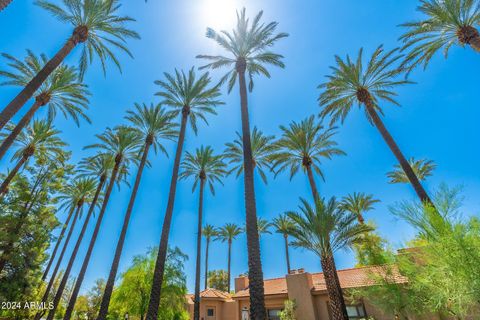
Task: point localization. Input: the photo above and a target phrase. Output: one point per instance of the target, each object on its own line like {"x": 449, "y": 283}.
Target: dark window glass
{"x": 210, "y": 312}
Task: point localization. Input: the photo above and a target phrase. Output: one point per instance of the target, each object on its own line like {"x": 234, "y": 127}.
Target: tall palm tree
{"x": 78, "y": 193}
{"x": 283, "y": 225}
{"x": 303, "y": 145}
{"x": 152, "y": 124}
{"x": 423, "y": 168}
{"x": 358, "y": 203}
{"x": 262, "y": 149}
{"x": 204, "y": 167}
{"x": 93, "y": 168}
{"x": 193, "y": 98}
{"x": 447, "y": 23}
{"x": 248, "y": 54}
{"x": 4, "y": 4}
{"x": 97, "y": 26}
{"x": 324, "y": 229}
{"x": 263, "y": 226}
{"x": 351, "y": 82}
{"x": 209, "y": 232}
{"x": 62, "y": 91}
{"x": 228, "y": 233}
{"x": 121, "y": 144}
{"x": 39, "y": 136}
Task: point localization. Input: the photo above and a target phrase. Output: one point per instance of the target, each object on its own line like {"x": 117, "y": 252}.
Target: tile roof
{"x": 211, "y": 293}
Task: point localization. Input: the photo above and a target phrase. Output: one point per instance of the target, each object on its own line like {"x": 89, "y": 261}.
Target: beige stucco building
{"x": 307, "y": 289}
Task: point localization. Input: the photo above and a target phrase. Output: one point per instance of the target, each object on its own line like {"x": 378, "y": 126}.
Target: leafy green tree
{"x": 446, "y": 23}
{"x": 262, "y": 149}
{"x": 324, "y": 229}
{"x": 283, "y": 225}
{"x": 358, "y": 203}
{"x": 228, "y": 233}
{"x": 152, "y": 125}
{"x": 304, "y": 145}
{"x": 288, "y": 313}
{"x": 352, "y": 83}
{"x": 39, "y": 137}
{"x": 192, "y": 98}
{"x": 204, "y": 167}
{"x": 209, "y": 232}
{"x": 423, "y": 168}
{"x": 61, "y": 92}
{"x": 121, "y": 144}
{"x": 248, "y": 47}
{"x": 97, "y": 27}
{"x": 218, "y": 279}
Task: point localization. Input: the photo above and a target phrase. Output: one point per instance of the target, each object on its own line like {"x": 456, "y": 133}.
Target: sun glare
{"x": 218, "y": 14}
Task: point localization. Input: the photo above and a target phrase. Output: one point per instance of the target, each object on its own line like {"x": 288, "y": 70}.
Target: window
{"x": 274, "y": 314}
{"x": 355, "y": 312}
{"x": 210, "y": 312}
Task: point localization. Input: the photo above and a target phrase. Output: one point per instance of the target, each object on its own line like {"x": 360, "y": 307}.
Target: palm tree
{"x": 121, "y": 144}
{"x": 324, "y": 229}
{"x": 263, "y": 226}
{"x": 93, "y": 168}
{"x": 351, "y": 82}
{"x": 358, "y": 204}
{"x": 248, "y": 48}
{"x": 262, "y": 149}
{"x": 228, "y": 233}
{"x": 96, "y": 26}
{"x": 447, "y": 23}
{"x": 208, "y": 232}
{"x": 193, "y": 98}
{"x": 303, "y": 145}
{"x": 423, "y": 168}
{"x": 40, "y": 136}
{"x": 152, "y": 124}
{"x": 62, "y": 91}
{"x": 4, "y": 4}
{"x": 204, "y": 167}
{"x": 283, "y": 225}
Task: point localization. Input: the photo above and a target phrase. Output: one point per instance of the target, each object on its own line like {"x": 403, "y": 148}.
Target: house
{"x": 307, "y": 289}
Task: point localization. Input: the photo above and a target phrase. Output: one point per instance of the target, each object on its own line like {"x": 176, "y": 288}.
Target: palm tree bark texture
{"x": 4, "y": 4}
{"x": 4, "y": 187}
{"x": 207, "y": 245}
{"x": 287, "y": 256}
{"x": 335, "y": 295}
{"x": 196, "y": 307}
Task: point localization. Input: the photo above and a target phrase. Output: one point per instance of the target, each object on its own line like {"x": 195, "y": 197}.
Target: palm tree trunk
{"x": 207, "y": 245}
{"x": 334, "y": 290}
{"x": 422, "y": 194}
{"x": 59, "y": 240}
{"x": 156, "y": 291}
{"x": 285, "y": 237}
{"x": 4, "y": 4}
{"x": 86, "y": 260}
{"x": 229, "y": 264}
{"x": 7, "y": 143}
{"x": 79, "y": 35}
{"x": 255, "y": 273}
{"x": 60, "y": 258}
{"x": 313, "y": 185}
{"x": 11, "y": 175}
{"x": 107, "y": 293}
{"x": 63, "y": 283}
{"x": 196, "y": 306}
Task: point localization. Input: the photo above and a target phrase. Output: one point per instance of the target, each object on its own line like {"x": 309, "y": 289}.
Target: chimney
{"x": 241, "y": 283}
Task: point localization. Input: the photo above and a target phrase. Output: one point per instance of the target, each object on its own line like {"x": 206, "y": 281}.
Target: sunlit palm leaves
{"x": 423, "y": 168}
{"x": 358, "y": 203}
{"x": 228, "y": 232}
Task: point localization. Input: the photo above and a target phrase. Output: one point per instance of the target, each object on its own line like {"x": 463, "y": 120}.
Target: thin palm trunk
{"x": 422, "y": 194}
{"x": 86, "y": 260}
{"x": 63, "y": 283}
{"x": 196, "y": 306}
{"x": 107, "y": 294}
{"x": 287, "y": 256}
{"x": 255, "y": 273}
{"x": 79, "y": 35}
{"x": 11, "y": 175}
{"x": 313, "y": 185}
{"x": 156, "y": 291}
{"x": 60, "y": 258}
{"x": 7, "y": 143}
{"x": 334, "y": 290}
{"x": 207, "y": 245}
{"x": 57, "y": 245}
{"x": 229, "y": 262}
{"x": 4, "y": 4}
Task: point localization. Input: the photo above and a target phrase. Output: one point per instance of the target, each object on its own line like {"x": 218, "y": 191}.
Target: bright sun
{"x": 218, "y": 14}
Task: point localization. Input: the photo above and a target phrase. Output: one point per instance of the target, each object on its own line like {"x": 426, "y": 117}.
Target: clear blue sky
{"x": 438, "y": 118}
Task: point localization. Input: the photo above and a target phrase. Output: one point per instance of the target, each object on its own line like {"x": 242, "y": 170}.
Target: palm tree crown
{"x": 228, "y": 232}
{"x": 263, "y": 226}
{"x": 203, "y": 165}
{"x": 304, "y": 144}
{"x": 447, "y": 23}
{"x": 209, "y": 232}
{"x": 423, "y": 168}
{"x": 248, "y": 46}
{"x": 97, "y": 25}
{"x": 358, "y": 203}
{"x": 185, "y": 93}
{"x": 62, "y": 91}
{"x": 262, "y": 150}
{"x": 283, "y": 224}
{"x": 77, "y": 193}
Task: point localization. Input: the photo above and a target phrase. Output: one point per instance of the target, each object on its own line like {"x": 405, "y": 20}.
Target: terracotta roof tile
{"x": 210, "y": 293}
